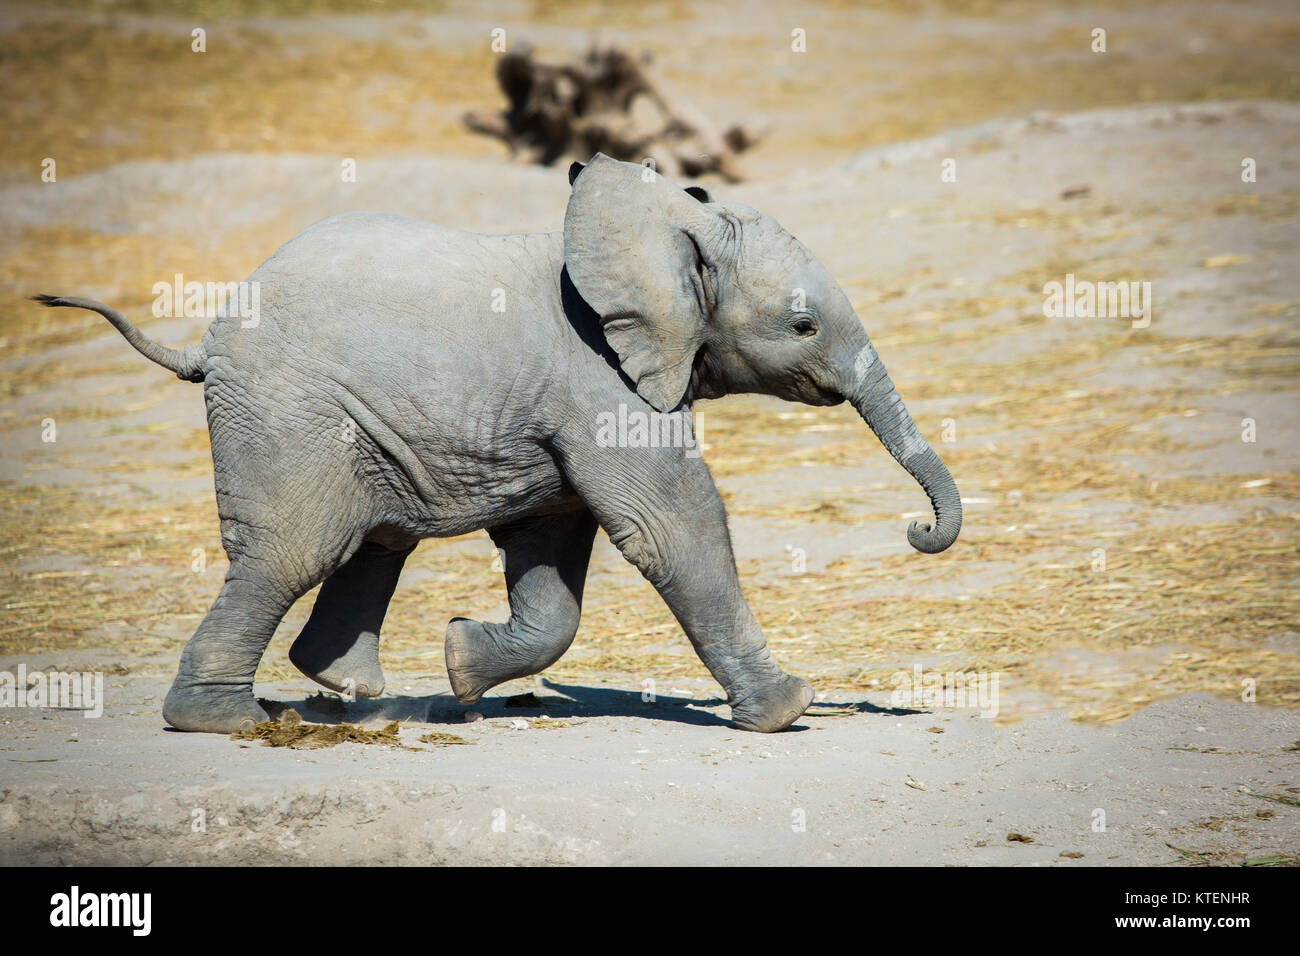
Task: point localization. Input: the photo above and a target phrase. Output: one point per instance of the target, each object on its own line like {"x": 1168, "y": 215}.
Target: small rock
{"x": 472, "y": 715}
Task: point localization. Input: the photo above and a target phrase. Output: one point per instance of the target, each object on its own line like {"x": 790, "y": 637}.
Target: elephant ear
{"x": 632, "y": 245}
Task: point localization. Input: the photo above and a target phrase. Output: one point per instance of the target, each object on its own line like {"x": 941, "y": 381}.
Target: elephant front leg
{"x": 663, "y": 512}
{"x": 339, "y": 647}
{"x": 545, "y": 562}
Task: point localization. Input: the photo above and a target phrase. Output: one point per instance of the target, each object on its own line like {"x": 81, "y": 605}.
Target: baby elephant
{"x": 405, "y": 381}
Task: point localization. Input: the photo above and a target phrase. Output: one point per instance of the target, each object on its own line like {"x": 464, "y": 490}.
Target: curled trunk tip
{"x": 933, "y": 476}
{"x": 930, "y": 540}
{"x": 881, "y": 408}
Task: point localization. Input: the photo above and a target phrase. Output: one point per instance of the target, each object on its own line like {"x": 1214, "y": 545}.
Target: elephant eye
{"x": 804, "y": 326}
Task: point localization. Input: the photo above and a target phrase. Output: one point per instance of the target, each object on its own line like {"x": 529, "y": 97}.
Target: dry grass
{"x": 96, "y": 93}
{"x": 1209, "y": 601}
{"x": 1206, "y": 598}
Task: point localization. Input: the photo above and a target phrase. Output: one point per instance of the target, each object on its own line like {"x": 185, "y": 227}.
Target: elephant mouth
{"x": 810, "y": 393}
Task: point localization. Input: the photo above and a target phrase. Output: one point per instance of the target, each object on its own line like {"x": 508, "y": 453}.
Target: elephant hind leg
{"x": 339, "y": 647}
{"x": 213, "y": 689}
{"x": 546, "y": 567}
{"x": 273, "y": 562}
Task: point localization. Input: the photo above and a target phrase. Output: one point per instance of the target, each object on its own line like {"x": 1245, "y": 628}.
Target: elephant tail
{"x": 187, "y": 363}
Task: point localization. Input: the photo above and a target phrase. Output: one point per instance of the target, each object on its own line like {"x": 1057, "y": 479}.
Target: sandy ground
{"x": 1185, "y": 781}
{"x": 1156, "y": 694}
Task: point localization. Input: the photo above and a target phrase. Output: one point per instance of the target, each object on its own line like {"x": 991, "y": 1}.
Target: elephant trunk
{"x": 873, "y": 395}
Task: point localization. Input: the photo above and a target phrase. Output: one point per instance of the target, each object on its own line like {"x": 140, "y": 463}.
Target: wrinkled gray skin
{"x": 469, "y": 418}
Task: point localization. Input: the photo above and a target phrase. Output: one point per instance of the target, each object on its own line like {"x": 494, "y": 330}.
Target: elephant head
{"x": 701, "y": 298}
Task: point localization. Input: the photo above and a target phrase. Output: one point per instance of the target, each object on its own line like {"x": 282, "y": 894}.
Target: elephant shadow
{"x": 570, "y": 701}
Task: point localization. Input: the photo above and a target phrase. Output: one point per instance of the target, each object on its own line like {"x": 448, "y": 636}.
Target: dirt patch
{"x": 290, "y": 730}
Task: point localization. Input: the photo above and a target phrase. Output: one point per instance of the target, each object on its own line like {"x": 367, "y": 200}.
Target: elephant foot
{"x": 348, "y": 663}
{"x": 773, "y": 706}
{"x": 476, "y": 662}
{"x": 212, "y": 708}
